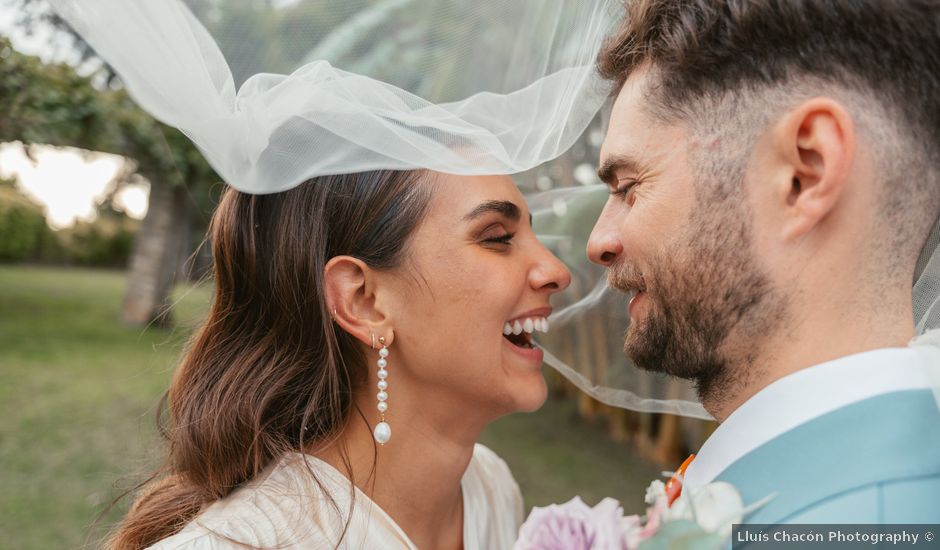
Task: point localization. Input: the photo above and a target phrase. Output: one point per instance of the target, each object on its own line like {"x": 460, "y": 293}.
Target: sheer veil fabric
{"x": 274, "y": 92}
{"x": 485, "y": 87}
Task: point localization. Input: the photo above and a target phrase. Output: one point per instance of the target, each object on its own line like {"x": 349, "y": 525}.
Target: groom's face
{"x": 674, "y": 238}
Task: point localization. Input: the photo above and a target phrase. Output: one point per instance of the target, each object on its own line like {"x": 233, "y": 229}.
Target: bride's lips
{"x": 535, "y": 354}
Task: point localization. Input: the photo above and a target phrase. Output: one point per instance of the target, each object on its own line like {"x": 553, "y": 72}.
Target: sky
{"x": 66, "y": 182}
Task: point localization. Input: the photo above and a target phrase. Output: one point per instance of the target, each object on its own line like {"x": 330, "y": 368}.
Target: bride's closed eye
{"x": 496, "y": 235}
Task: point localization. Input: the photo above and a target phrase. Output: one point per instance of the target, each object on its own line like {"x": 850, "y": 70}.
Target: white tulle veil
{"x": 275, "y": 92}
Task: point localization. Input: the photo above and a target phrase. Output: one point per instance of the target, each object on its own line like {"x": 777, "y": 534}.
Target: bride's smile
{"x": 518, "y": 333}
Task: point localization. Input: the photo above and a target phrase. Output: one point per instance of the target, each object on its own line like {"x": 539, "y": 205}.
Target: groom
{"x": 774, "y": 170}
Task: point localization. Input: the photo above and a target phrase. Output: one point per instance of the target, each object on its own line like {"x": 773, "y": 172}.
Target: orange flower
{"x": 674, "y": 486}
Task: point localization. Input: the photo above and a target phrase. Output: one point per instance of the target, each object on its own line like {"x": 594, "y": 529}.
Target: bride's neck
{"x": 415, "y": 477}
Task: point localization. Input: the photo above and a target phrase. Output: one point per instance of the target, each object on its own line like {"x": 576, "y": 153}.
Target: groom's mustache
{"x": 625, "y": 277}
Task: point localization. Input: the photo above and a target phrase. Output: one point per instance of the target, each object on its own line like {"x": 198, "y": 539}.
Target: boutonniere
{"x": 698, "y": 520}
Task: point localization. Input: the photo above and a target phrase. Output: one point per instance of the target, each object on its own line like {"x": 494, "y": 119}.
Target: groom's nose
{"x": 604, "y": 246}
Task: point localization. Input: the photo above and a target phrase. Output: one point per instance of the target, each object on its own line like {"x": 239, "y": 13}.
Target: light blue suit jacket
{"x": 875, "y": 461}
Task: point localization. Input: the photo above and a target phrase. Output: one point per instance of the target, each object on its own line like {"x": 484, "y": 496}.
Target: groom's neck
{"x": 824, "y": 325}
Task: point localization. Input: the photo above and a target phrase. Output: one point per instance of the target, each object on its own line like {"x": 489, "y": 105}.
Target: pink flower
{"x": 574, "y": 526}
{"x": 654, "y": 517}
{"x": 632, "y": 529}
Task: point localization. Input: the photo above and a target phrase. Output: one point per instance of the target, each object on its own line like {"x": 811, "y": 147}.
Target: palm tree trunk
{"x": 156, "y": 257}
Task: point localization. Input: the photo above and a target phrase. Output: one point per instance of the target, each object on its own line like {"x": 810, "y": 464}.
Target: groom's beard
{"x": 700, "y": 298}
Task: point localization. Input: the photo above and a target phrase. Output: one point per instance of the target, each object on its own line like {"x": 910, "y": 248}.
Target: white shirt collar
{"x": 803, "y": 396}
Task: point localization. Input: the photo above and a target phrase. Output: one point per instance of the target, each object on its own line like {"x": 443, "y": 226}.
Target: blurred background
{"x": 103, "y": 276}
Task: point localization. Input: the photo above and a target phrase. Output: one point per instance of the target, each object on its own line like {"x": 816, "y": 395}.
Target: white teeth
{"x": 528, "y": 326}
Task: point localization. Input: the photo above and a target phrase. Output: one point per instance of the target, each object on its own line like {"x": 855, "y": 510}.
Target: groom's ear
{"x": 814, "y": 145}
{"x": 351, "y": 286}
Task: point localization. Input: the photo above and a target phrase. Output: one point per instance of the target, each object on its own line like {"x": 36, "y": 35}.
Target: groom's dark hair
{"x": 717, "y": 63}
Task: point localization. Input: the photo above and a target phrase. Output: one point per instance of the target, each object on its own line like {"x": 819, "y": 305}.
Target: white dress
{"x": 285, "y": 508}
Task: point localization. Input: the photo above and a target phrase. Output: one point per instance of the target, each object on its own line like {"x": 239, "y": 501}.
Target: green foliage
{"x": 105, "y": 242}
{"x": 22, "y": 225}
{"x": 24, "y": 235}
{"x": 54, "y": 105}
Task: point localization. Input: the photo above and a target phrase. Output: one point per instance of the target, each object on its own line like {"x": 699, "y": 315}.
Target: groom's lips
{"x": 634, "y": 286}
{"x": 635, "y": 301}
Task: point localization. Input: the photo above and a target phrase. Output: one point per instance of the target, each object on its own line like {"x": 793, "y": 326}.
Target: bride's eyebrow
{"x": 506, "y": 209}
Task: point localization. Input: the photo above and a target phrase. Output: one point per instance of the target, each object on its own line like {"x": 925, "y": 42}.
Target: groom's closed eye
{"x": 615, "y": 165}
{"x": 625, "y": 189}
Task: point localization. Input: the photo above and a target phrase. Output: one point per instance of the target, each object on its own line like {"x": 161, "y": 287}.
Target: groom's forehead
{"x": 632, "y": 108}
{"x": 631, "y": 103}
{"x": 633, "y": 134}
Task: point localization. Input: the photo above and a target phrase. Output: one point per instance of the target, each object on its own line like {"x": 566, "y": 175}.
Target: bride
{"x": 376, "y": 286}
{"x": 355, "y": 349}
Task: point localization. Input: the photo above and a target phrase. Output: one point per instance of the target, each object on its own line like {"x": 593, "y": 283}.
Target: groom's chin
{"x": 636, "y": 347}
{"x": 651, "y": 355}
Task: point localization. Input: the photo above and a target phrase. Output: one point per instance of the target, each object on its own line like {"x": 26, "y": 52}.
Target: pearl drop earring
{"x": 383, "y": 432}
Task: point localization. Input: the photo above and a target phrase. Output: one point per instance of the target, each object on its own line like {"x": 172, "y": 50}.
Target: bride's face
{"x": 473, "y": 266}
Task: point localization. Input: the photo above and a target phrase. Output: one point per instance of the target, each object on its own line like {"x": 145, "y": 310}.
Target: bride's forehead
{"x": 461, "y": 190}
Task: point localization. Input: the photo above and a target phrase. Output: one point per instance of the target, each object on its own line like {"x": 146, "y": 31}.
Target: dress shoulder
{"x": 492, "y": 499}
{"x": 282, "y": 508}
{"x": 234, "y": 533}
{"x": 196, "y": 541}
{"x": 490, "y": 465}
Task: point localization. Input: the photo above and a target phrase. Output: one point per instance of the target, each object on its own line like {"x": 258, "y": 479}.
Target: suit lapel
{"x": 891, "y": 436}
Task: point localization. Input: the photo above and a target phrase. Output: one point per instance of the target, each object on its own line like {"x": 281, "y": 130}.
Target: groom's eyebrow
{"x": 607, "y": 173}
{"x": 506, "y": 209}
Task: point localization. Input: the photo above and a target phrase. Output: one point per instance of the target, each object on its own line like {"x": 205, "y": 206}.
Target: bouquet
{"x": 699, "y": 520}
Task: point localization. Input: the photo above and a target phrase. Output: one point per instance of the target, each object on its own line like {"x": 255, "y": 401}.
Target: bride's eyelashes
{"x": 502, "y": 239}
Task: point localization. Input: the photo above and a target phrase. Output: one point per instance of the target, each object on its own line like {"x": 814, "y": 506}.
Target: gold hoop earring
{"x": 372, "y": 334}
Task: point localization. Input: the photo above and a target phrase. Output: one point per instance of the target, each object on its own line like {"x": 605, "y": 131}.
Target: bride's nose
{"x": 549, "y": 273}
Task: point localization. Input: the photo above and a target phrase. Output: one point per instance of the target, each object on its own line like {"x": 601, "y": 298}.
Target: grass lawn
{"x": 78, "y": 394}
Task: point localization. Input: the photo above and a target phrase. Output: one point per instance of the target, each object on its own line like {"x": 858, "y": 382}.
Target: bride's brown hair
{"x": 267, "y": 373}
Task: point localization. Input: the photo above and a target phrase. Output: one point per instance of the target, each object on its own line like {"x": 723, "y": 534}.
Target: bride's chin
{"x": 532, "y": 397}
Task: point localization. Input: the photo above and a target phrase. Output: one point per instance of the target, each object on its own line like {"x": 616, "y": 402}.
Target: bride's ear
{"x": 350, "y": 287}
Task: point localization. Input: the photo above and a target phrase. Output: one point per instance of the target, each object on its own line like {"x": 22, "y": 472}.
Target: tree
{"x": 52, "y": 104}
